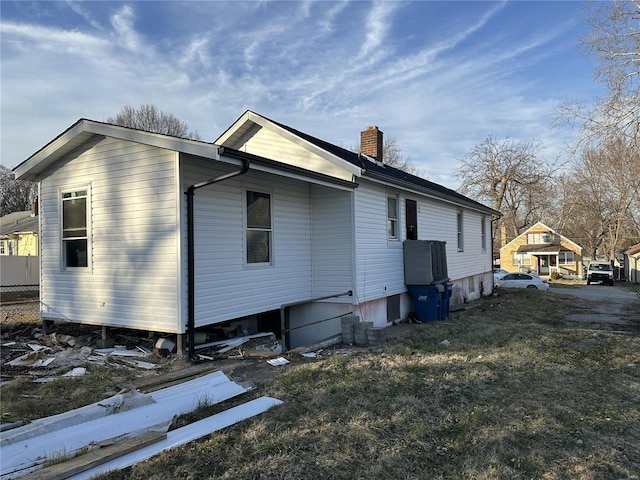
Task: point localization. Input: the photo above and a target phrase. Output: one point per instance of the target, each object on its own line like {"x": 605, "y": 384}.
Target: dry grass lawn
{"x": 518, "y": 394}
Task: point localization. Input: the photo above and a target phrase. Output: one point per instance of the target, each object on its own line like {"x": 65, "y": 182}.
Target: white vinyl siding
{"x": 331, "y": 241}
{"x": 379, "y": 262}
{"x": 266, "y": 143}
{"x": 227, "y": 288}
{"x": 438, "y": 221}
{"x": 133, "y": 280}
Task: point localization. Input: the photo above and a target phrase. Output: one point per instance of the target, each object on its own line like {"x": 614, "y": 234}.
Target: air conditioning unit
{"x": 425, "y": 262}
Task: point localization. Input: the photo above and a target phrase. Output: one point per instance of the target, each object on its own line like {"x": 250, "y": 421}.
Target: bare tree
{"x": 603, "y": 202}
{"x": 150, "y": 119}
{"x": 393, "y": 156}
{"x": 574, "y": 216}
{"x": 511, "y": 177}
{"x": 15, "y": 195}
{"x": 615, "y": 41}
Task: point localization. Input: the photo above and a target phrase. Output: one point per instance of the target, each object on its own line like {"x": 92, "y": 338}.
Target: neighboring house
{"x": 542, "y": 250}
{"x": 19, "y": 234}
{"x": 632, "y": 263}
{"x": 268, "y": 228}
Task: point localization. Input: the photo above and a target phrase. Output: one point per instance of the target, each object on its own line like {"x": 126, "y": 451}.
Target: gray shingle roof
{"x": 18, "y": 222}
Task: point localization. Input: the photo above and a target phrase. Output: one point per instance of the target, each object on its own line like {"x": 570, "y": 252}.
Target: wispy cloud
{"x": 124, "y": 31}
{"x": 80, "y": 9}
{"x": 23, "y": 37}
{"x": 437, "y": 76}
{"x": 376, "y": 27}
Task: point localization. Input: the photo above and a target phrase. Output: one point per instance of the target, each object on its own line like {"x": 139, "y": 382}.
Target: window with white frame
{"x": 75, "y": 237}
{"x": 520, "y": 259}
{"x": 2, "y": 247}
{"x": 392, "y": 217}
{"x": 483, "y": 233}
{"x": 565, "y": 258}
{"x": 538, "y": 238}
{"x": 258, "y": 227}
{"x": 460, "y": 225}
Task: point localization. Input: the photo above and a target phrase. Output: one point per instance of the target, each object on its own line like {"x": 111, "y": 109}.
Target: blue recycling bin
{"x": 426, "y": 301}
{"x": 445, "y": 301}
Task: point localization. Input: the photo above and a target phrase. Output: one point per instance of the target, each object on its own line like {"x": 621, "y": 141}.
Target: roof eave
{"x": 83, "y": 130}
{"x": 407, "y": 185}
{"x": 273, "y": 166}
{"x": 257, "y": 119}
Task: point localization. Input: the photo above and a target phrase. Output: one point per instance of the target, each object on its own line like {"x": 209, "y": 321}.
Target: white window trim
{"x": 63, "y": 266}
{"x": 265, "y": 191}
{"x": 521, "y": 260}
{"x": 563, "y": 255}
{"x": 395, "y": 237}
{"x": 539, "y": 238}
{"x": 460, "y": 230}
{"x": 483, "y": 233}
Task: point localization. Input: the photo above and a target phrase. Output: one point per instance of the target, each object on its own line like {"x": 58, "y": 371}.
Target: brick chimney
{"x": 371, "y": 143}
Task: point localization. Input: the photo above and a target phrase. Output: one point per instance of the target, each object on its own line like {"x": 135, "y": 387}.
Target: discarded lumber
{"x": 186, "y": 434}
{"x": 95, "y": 458}
{"x": 150, "y": 384}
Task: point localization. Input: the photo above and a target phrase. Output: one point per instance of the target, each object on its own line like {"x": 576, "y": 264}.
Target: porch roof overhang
{"x": 541, "y": 249}
{"x": 633, "y": 250}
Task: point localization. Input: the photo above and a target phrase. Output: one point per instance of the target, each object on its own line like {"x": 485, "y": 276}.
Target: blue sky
{"x": 438, "y": 76}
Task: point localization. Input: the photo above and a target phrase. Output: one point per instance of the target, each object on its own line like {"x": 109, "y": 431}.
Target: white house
{"x": 632, "y": 263}
{"x": 268, "y": 228}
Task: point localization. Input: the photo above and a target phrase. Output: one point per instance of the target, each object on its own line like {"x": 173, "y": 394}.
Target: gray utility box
{"x": 425, "y": 262}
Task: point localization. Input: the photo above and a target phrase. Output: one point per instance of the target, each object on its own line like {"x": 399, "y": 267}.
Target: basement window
{"x": 259, "y": 231}
{"x": 75, "y": 245}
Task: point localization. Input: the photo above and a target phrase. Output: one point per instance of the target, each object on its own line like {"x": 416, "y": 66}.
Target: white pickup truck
{"x": 600, "y": 272}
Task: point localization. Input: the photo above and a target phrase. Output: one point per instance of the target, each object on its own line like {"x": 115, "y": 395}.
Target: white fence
{"x": 19, "y": 270}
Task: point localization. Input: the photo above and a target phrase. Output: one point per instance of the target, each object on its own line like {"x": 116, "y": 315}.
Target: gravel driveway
{"x": 619, "y": 305}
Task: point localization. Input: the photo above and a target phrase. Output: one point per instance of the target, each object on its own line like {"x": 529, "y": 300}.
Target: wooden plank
{"x": 157, "y": 382}
{"x": 186, "y": 434}
{"x": 94, "y": 458}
